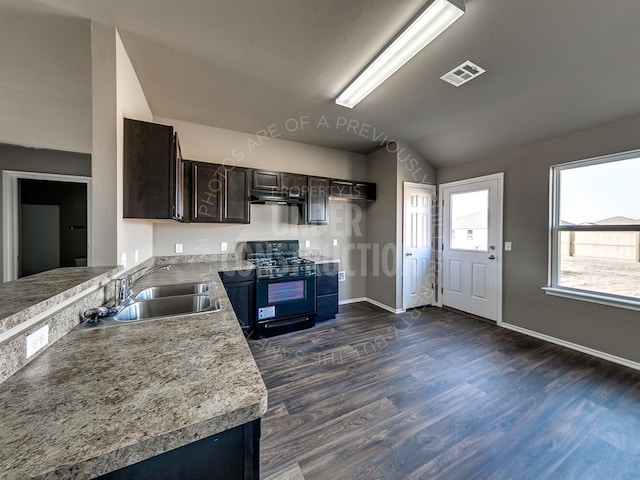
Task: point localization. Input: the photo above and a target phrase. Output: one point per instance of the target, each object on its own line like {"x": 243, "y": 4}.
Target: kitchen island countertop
{"x": 103, "y": 398}
{"x": 29, "y": 296}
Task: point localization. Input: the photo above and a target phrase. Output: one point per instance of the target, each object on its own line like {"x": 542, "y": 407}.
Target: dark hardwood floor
{"x": 433, "y": 394}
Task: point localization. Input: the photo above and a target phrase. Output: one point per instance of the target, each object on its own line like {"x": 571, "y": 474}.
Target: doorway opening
{"x": 45, "y": 222}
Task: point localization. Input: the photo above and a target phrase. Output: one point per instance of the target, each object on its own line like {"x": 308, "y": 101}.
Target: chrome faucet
{"x": 124, "y": 286}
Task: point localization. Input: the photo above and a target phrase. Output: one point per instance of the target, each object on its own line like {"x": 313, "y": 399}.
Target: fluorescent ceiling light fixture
{"x": 434, "y": 20}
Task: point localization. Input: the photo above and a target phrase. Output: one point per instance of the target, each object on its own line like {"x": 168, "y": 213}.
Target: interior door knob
{"x": 492, "y": 257}
{"x": 409, "y": 254}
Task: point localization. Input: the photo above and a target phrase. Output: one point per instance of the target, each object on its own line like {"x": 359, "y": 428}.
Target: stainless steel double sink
{"x": 161, "y": 301}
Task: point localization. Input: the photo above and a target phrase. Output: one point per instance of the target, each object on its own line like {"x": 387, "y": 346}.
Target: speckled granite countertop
{"x": 28, "y": 296}
{"x": 104, "y": 398}
{"x": 320, "y": 259}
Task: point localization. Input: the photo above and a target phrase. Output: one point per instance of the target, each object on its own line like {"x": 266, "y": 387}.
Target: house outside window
{"x": 595, "y": 230}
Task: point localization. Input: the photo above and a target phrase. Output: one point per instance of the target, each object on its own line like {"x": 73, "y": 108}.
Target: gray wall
{"x": 381, "y": 228}
{"x": 45, "y": 85}
{"x": 347, "y": 224}
{"x": 389, "y": 167}
{"x": 23, "y": 159}
{"x": 526, "y": 218}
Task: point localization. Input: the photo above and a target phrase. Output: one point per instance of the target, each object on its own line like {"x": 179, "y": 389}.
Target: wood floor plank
{"x": 433, "y": 394}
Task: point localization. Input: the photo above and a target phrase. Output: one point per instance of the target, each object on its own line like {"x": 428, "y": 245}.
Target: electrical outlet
{"x": 223, "y": 246}
{"x": 307, "y": 243}
{"x": 341, "y": 276}
{"x": 179, "y": 248}
{"x": 335, "y": 242}
{"x": 37, "y": 340}
{"x": 507, "y": 246}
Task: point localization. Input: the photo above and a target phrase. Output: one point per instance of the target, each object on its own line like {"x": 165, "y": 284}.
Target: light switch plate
{"x": 136, "y": 256}
{"x": 341, "y": 276}
{"x": 335, "y": 242}
{"x": 307, "y": 243}
{"x": 179, "y": 248}
{"x": 37, "y": 340}
{"x": 123, "y": 259}
{"x": 223, "y": 246}
{"x": 507, "y": 246}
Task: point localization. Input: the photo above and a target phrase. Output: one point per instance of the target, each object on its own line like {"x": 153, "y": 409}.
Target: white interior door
{"x": 471, "y": 246}
{"x": 418, "y": 278}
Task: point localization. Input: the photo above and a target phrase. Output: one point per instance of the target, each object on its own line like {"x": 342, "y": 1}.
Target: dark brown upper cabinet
{"x": 218, "y": 194}
{"x": 205, "y": 192}
{"x": 292, "y": 184}
{"x": 317, "y": 201}
{"x": 350, "y": 190}
{"x": 263, "y": 180}
{"x": 235, "y": 201}
{"x": 153, "y": 171}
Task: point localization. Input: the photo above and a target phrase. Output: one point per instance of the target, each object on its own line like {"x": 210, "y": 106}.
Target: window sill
{"x": 593, "y": 298}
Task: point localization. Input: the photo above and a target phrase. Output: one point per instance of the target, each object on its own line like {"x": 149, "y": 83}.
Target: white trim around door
{"x": 10, "y": 205}
{"x": 494, "y": 250}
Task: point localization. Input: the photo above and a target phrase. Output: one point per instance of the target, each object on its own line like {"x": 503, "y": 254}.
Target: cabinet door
{"x": 341, "y": 188}
{"x": 206, "y": 192}
{"x": 177, "y": 173}
{"x": 317, "y": 201}
{"x": 263, "y": 180}
{"x": 361, "y": 190}
{"x": 148, "y": 170}
{"x": 326, "y": 278}
{"x": 326, "y": 307}
{"x": 242, "y": 298}
{"x": 235, "y": 201}
{"x": 293, "y": 184}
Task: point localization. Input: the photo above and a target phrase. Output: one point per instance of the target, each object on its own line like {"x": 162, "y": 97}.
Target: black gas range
{"x": 285, "y": 287}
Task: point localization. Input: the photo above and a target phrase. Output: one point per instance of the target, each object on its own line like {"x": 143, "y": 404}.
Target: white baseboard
{"x": 395, "y": 311}
{"x": 352, "y": 300}
{"x": 531, "y": 333}
{"x": 372, "y": 302}
{"x": 573, "y": 346}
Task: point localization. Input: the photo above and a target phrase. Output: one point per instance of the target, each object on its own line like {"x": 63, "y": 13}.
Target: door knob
{"x": 492, "y": 257}
{"x": 408, "y": 254}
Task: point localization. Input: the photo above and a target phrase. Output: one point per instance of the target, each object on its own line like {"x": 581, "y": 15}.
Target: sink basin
{"x": 161, "y": 291}
{"x": 167, "y": 306}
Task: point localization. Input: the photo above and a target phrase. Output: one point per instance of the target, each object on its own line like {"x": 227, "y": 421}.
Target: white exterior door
{"x": 418, "y": 278}
{"x": 471, "y": 273}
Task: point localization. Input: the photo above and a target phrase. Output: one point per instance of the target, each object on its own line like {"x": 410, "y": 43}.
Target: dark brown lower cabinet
{"x": 326, "y": 291}
{"x": 230, "y": 455}
{"x": 240, "y": 286}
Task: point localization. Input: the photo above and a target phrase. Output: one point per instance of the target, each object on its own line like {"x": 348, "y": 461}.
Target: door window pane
{"x": 470, "y": 221}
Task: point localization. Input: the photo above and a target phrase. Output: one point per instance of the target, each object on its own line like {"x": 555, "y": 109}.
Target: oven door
{"x": 285, "y": 297}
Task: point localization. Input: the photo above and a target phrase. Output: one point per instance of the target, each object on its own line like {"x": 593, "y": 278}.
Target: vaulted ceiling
{"x": 553, "y": 67}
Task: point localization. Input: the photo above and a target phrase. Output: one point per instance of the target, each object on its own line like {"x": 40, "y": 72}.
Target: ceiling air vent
{"x": 463, "y": 73}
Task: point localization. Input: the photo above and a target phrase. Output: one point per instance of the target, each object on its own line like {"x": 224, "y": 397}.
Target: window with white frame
{"x": 595, "y": 229}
